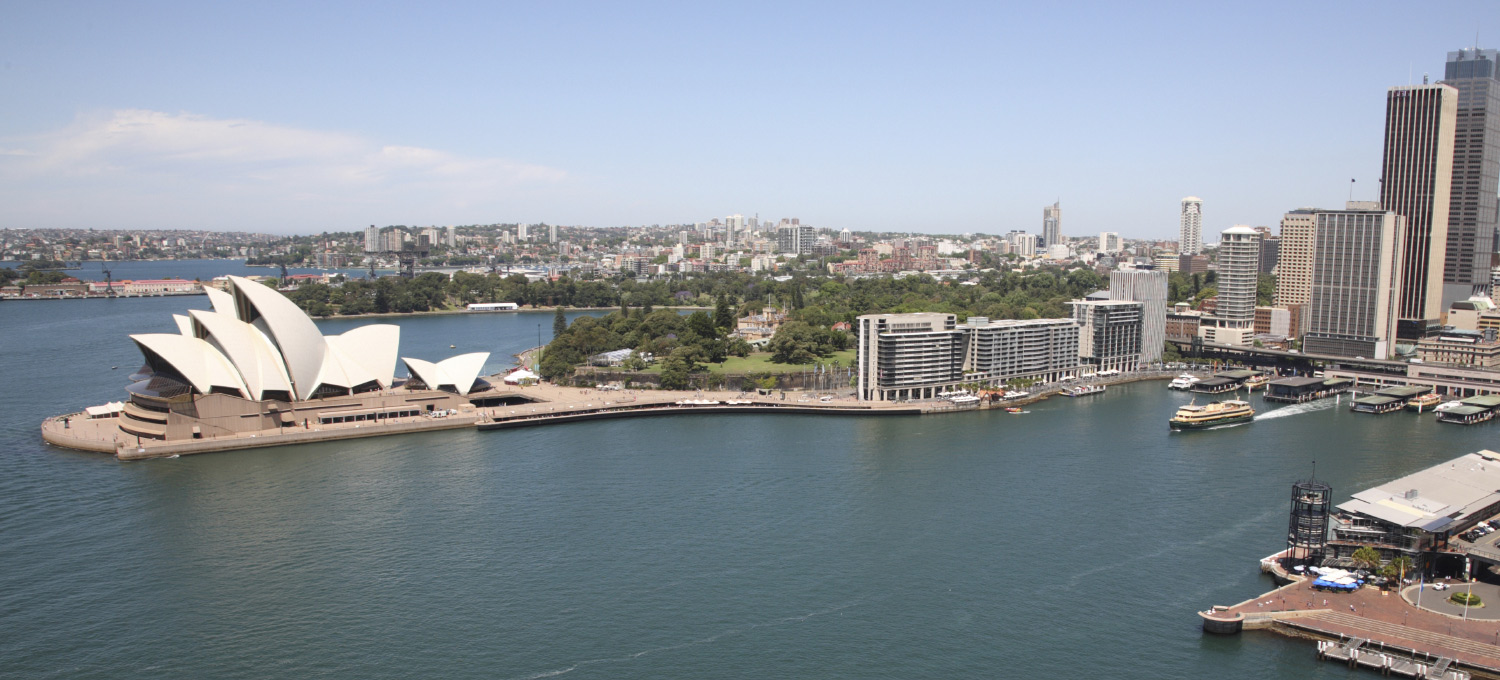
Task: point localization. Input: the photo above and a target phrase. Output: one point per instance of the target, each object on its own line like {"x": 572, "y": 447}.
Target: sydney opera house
{"x": 257, "y": 363}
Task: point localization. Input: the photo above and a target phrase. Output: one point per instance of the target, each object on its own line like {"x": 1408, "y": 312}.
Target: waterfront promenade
{"x": 1385, "y": 618}
{"x": 534, "y": 405}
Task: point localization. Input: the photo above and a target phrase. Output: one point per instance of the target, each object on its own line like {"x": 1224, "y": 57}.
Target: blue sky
{"x": 928, "y": 117}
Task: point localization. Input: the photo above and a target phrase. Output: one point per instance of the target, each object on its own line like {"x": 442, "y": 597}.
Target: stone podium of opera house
{"x": 256, "y": 371}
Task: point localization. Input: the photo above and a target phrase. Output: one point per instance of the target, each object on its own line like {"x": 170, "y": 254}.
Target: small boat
{"x": 1193, "y": 416}
{"x": 1256, "y": 382}
{"x": 1426, "y": 402}
{"x": 1446, "y": 405}
{"x": 1182, "y": 382}
{"x": 1014, "y": 409}
{"x": 452, "y": 346}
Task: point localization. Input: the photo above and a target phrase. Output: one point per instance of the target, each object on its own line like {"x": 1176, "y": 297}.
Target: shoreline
{"x": 540, "y": 405}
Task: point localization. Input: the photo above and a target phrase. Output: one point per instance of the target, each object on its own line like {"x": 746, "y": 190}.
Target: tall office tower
{"x": 1294, "y": 262}
{"x": 1233, "y": 322}
{"x": 1190, "y": 241}
{"x": 1416, "y": 178}
{"x": 1356, "y": 280}
{"x": 1473, "y": 208}
{"x": 1052, "y": 224}
{"x": 372, "y": 239}
{"x": 451, "y": 237}
{"x": 1150, "y": 289}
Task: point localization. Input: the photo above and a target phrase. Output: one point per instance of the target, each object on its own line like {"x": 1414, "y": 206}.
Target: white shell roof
{"x": 249, "y": 349}
{"x": 373, "y": 347}
{"x": 193, "y": 358}
{"x": 223, "y": 302}
{"x": 256, "y": 341}
{"x": 458, "y": 372}
{"x": 298, "y": 338}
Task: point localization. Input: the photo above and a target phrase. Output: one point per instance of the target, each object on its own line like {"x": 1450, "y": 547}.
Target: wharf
{"x": 1395, "y": 637}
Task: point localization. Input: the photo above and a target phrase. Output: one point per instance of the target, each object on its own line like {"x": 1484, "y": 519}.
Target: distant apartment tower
{"x": 1190, "y": 240}
{"x": 450, "y": 238}
{"x": 552, "y": 233}
{"x": 1416, "y": 181}
{"x": 1109, "y": 242}
{"x": 1149, "y": 288}
{"x": 372, "y": 239}
{"x": 1356, "y": 279}
{"x": 1233, "y": 320}
{"x": 1473, "y": 210}
{"x": 1052, "y": 225}
{"x": 1109, "y": 335}
{"x": 1022, "y": 243}
{"x": 796, "y": 239}
{"x": 522, "y": 231}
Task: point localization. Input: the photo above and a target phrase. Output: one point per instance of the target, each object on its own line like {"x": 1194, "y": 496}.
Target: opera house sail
{"x": 255, "y": 365}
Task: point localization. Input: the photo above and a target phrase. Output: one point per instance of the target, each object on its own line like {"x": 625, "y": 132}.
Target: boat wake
{"x": 1298, "y": 409}
{"x": 692, "y": 643}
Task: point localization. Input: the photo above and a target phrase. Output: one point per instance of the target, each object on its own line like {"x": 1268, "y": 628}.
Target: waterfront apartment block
{"x": 1355, "y": 276}
{"x": 1150, "y": 289}
{"x": 921, "y": 355}
{"x": 1110, "y": 334}
{"x": 1006, "y": 349}
{"x": 1416, "y": 183}
{"x": 1473, "y": 212}
{"x": 908, "y": 356}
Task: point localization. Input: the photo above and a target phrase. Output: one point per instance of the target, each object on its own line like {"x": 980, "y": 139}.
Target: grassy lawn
{"x": 760, "y": 362}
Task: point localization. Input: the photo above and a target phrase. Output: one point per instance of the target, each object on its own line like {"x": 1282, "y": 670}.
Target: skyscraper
{"x": 1356, "y": 279}
{"x": 1233, "y": 322}
{"x": 1052, "y": 224}
{"x": 372, "y": 239}
{"x": 1472, "y": 210}
{"x": 1294, "y": 266}
{"x": 1150, "y": 289}
{"x": 1191, "y": 238}
{"x": 1109, "y": 242}
{"x": 1416, "y": 178}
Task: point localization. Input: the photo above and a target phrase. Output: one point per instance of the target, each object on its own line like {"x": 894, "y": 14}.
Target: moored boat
{"x": 1081, "y": 390}
{"x": 1193, "y": 416}
{"x": 1182, "y": 382}
{"x": 1256, "y": 382}
{"x": 1424, "y": 403}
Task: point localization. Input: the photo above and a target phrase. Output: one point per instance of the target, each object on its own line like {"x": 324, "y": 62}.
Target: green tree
{"x": 1366, "y": 558}
{"x": 559, "y": 323}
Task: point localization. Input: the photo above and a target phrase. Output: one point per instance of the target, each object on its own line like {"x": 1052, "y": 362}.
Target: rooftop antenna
{"x": 1351, "y": 189}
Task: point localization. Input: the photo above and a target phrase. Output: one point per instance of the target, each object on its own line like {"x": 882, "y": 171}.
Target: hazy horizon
{"x": 945, "y": 118}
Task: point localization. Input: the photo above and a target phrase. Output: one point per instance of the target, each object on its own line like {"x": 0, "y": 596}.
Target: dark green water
{"x": 1076, "y": 540}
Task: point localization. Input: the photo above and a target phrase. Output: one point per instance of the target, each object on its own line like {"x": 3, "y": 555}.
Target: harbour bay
{"x": 1078, "y": 538}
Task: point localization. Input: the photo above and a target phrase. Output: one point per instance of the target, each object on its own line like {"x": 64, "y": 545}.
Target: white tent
{"x": 520, "y": 375}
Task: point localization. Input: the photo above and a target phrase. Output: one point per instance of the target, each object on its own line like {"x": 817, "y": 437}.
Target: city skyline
{"x": 889, "y": 120}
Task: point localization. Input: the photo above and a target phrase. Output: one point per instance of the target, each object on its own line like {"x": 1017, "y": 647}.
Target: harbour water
{"x": 1075, "y": 540}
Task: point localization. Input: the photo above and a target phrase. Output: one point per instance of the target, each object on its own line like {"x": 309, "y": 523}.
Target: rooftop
{"x": 1435, "y": 497}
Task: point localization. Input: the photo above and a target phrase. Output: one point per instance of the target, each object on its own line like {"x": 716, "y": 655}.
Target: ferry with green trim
{"x": 1194, "y": 417}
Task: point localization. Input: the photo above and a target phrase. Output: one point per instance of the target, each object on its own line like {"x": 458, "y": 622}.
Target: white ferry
{"x": 1182, "y": 382}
